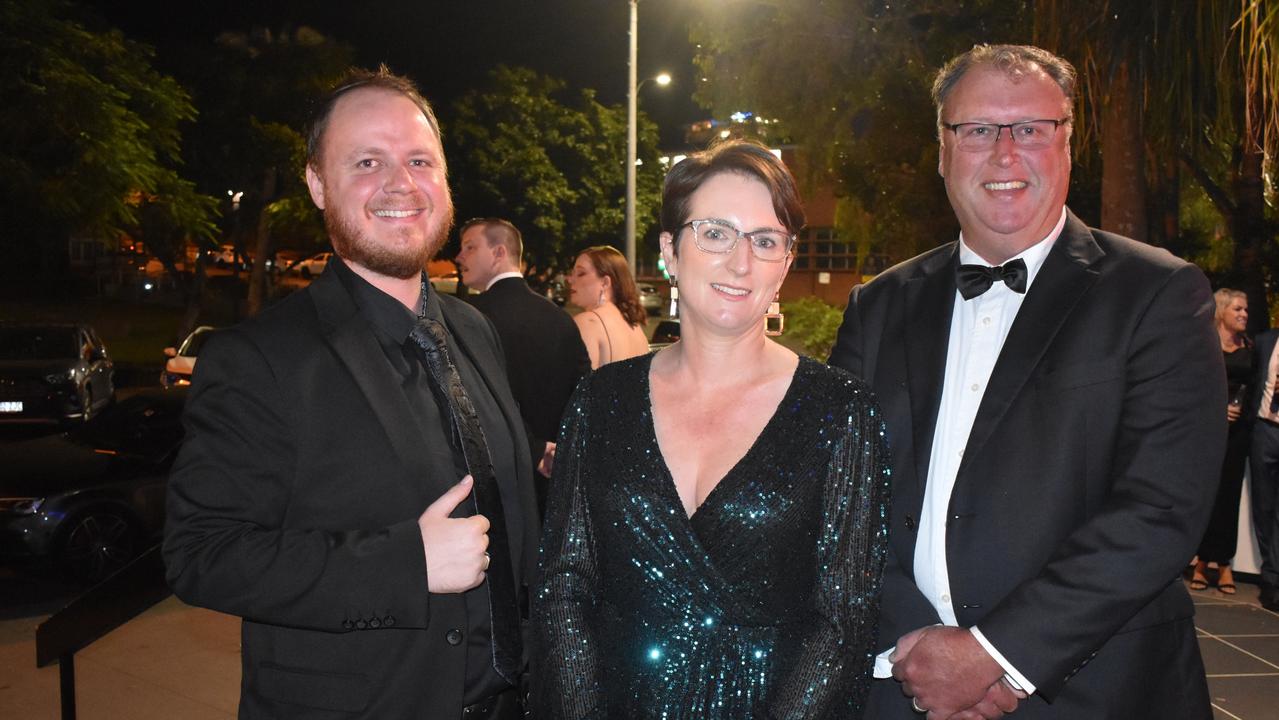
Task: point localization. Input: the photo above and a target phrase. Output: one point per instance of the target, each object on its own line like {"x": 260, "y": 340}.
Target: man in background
{"x": 545, "y": 356}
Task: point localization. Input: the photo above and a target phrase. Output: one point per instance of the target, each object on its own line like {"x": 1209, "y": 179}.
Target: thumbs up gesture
{"x": 455, "y": 547}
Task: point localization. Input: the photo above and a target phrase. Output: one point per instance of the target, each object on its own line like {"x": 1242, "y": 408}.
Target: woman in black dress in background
{"x": 716, "y": 530}
{"x": 1218, "y": 545}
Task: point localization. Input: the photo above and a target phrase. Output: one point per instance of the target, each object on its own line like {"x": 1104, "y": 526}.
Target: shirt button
{"x": 945, "y": 598}
{"x": 453, "y": 637}
{"x": 974, "y": 387}
{"x": 985, "y": 321}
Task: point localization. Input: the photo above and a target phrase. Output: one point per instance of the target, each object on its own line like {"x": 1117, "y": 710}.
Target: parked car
{"x": 53, "y": 373}
{"x": 313, "y": 265}
{"x": 650, "y": 298}
{"x": 88, "y": 501}
{"x": 665, "y": 332}
{"x": 180, "y": 361}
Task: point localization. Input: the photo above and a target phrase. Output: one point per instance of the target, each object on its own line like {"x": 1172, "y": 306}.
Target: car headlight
{"x": 60, "y": 376}
{"x": 21, "y": 505}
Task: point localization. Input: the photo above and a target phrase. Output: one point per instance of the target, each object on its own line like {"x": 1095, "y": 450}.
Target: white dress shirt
{"x": 502, "y": 276}
{"x": 978, "y": 328}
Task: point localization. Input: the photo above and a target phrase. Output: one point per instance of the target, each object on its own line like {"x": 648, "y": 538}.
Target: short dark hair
{"x": 1015, "y": 61}
{"x": 498, "y": 232}
{"x": 743, "y": 157}
{"x": 358, "y": 79}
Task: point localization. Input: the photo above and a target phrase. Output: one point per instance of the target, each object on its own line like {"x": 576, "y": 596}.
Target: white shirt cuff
{"x": 884, "y": 666}
{"x": 1014, "y": 678}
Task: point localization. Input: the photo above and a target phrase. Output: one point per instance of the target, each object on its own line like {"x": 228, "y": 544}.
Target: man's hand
{"x": 946, "y": 671}
{"x": 455, "y": 557}
{"x": 547, "y": 463}
{"x": 1233, "y": 411}
{"x": 1000, "y": 698}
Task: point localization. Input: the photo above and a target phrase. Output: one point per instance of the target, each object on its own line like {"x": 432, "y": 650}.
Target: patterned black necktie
{"x": 469, "y": 434}
{"x": 973, "y": 280}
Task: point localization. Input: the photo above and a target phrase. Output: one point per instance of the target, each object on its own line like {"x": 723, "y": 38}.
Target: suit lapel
{"x": 348, "y": 333}
{"x": 1065, "y": 277}
{"x": 930, "y": 300}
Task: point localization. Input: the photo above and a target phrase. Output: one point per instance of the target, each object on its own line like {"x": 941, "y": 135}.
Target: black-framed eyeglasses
{"x": 720, "y": 237}
{"x": 1029, "y": 134}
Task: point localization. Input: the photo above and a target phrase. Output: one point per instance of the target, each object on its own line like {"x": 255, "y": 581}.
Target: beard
{"x": 353, "y": 245}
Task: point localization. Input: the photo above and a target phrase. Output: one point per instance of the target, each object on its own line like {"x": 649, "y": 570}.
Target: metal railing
{"x": 127, "y": 593}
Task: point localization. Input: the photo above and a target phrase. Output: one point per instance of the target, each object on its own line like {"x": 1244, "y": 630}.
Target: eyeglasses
{"x": 1030, "y": 134}
{"x": 720, "y": 237}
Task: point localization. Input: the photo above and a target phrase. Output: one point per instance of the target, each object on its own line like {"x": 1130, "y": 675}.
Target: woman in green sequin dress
{"x": 716, "y": 530}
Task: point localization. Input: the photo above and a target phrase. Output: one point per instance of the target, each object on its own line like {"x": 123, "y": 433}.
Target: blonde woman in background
{"x": 1217, "y": 549}
{"x": 612, "y": 320}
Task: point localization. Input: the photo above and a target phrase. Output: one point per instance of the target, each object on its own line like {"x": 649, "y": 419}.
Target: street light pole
{"x": 631, "y": 97}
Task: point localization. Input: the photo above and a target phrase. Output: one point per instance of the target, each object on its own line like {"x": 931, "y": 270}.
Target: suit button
{"x": 375, "y": 623}
{"x": 453, "y": 637}
{"x": 389, "y": 620}
{"x": 348, "y": 625}
{"x": 360, "y": 624}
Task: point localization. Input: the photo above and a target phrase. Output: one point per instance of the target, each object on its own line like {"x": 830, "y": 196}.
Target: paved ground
{"x": 175, "y": 661}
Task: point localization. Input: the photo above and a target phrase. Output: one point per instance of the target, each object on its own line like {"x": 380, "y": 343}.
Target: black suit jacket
{"x": 545, "y": 356}
{"x": 1087, "y": 479}
{"x": 294, "y": 504}
{"x": 1264, "y": 346}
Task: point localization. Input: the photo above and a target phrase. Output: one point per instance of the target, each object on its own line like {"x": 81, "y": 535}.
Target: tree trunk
{"x": 1123, "y": 173}
{"x": 1248, "y": 225}
{"x": 264, "y": 247}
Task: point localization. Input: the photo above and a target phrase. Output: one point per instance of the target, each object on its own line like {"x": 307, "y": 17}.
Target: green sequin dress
{"x": 762, "y": 604}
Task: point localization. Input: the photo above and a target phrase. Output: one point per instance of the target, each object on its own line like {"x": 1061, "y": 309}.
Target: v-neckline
{"x": 669, "y": 477}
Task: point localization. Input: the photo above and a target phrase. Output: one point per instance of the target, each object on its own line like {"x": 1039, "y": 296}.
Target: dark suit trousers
{"x": 1221, "y": 537}
{"x": 1264, "y": 493}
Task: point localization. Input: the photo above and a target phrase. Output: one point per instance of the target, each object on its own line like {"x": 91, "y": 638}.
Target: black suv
{"x": 53, "y": 373}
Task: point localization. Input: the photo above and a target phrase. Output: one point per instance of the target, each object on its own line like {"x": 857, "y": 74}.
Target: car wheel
{"x": 97, "y": 543}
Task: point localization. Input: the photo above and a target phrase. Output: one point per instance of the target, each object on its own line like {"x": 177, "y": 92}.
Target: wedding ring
{"x": 915, "y": 704}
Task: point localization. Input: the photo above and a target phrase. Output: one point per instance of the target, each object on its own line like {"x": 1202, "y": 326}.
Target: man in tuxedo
{"x": 545, "y": 356}
{"x": 1263, "y": 485}
{"x": 354, "y": 483}
{"x": 1052, "y": 395}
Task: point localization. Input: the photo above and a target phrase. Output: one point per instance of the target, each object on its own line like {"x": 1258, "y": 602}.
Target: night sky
{"x": 449, "y": 45}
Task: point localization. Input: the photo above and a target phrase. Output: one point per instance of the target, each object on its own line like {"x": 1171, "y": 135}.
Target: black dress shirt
{"x": 391, "y": 323}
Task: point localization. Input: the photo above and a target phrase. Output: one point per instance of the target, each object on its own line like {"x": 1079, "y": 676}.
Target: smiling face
{"x": 1235, "y": 315}
{"x": 382, "y": 184}
{"x": 1006, "y": 198}
{"x": 728, "y": 293}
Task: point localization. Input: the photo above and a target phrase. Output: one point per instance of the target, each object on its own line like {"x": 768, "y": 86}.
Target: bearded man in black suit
{"x": 317, "y": 493}
{"x": 1053, "y": 396}
{"x": 545, "y": 356}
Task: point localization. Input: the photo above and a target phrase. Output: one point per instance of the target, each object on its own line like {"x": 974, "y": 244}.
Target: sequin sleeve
{"x": 565, "y": 660}
{"x": 828, "y": 675}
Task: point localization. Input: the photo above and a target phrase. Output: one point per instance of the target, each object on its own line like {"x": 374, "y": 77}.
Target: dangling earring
{"x": 774, "y": 320}
{"x": 674, "y": 311}
{"x": 600, "y": 301}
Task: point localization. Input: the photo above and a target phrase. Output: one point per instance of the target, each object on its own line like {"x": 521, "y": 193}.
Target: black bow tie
{"x": 973, "y": 280}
